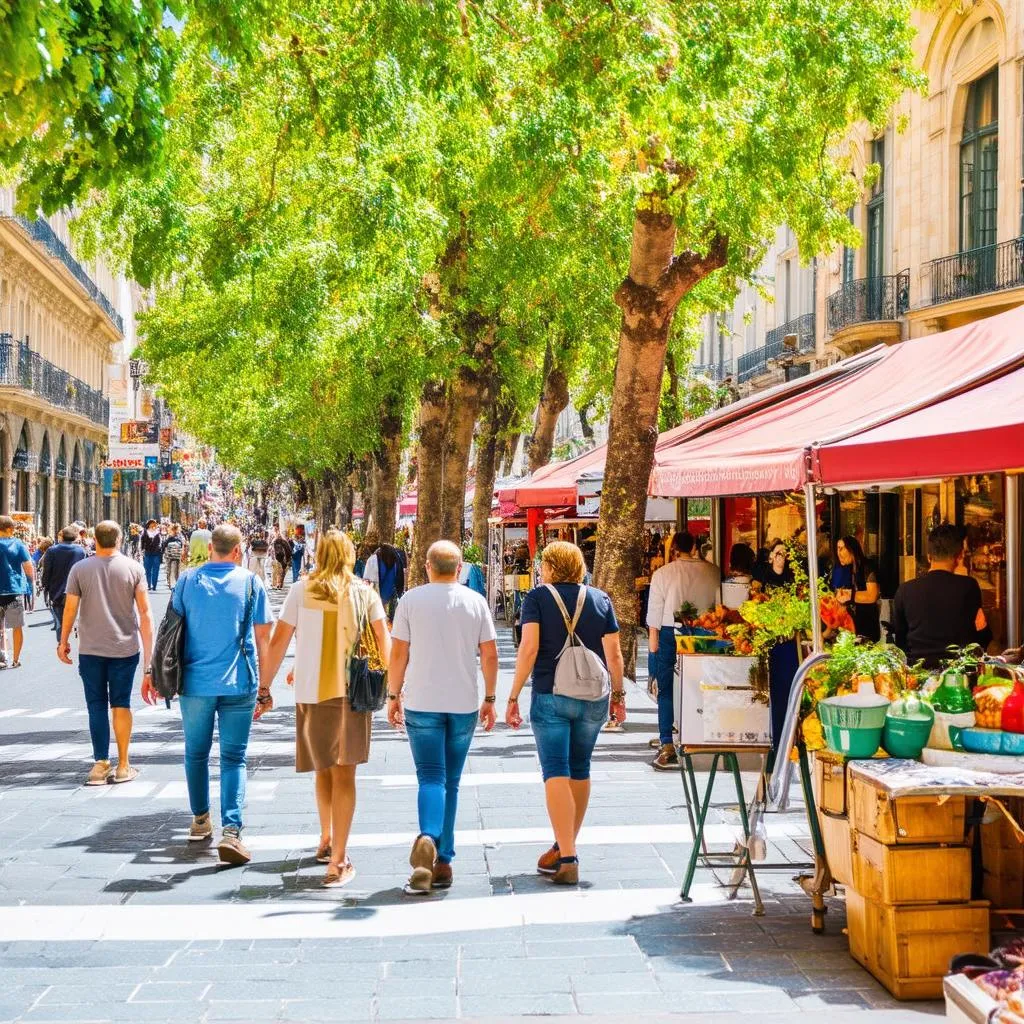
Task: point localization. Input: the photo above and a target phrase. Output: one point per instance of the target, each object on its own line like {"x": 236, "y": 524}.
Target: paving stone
{"x": 415, "y": 1008}
{"x": 517, "y": 1006}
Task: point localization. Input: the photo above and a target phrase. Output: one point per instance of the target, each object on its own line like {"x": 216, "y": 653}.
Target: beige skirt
{"x": 330, "y": 733}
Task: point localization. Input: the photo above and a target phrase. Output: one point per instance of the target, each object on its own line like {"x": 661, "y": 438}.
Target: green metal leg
{"x": 812, "y": 816}
{"x": 745, "y": 864}
{"x": 698, "y": 840}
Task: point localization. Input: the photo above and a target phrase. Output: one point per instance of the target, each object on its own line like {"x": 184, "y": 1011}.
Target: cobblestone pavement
{"x": 107, "y": 914}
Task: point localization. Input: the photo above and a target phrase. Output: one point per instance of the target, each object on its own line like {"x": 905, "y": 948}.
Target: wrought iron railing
{"x": 989, "y": 268}
{"x": 20, "y": 367}
{"x": 41, "y": 232}
{"x": 802, "y": 327}
{"x": 752, "y": 364}
{"x": 869, "y": 300}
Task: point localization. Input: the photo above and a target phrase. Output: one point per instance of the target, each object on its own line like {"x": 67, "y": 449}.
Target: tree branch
{"x": 687, "y": 268}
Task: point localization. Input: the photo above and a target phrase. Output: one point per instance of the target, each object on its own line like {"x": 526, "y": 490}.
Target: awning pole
{"x": 1013, "y": 561}
{"x": 811, "y": 510}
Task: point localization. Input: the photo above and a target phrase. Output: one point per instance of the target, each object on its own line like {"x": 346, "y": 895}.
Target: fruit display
{"x": 989, "y": 697}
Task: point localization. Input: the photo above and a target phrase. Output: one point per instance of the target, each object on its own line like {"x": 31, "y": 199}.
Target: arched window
{"x": 979, "y": 164}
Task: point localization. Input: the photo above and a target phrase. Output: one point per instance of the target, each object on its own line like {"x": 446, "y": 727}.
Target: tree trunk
{"x": 465, "y": 398}
{"x": 648, "y": 299}
{"x": 554, "y": 399}
{"x": 429, "y": 469}
{"x": 508, "y": 453}
{"x": 386, "y": 466}
{"x": 671, "y": 411}
{"x": 585, "y": 425}
{"x": 486, "y": 467}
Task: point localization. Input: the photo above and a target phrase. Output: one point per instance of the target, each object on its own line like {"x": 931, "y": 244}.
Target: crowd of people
{"x": 435, "y": 645}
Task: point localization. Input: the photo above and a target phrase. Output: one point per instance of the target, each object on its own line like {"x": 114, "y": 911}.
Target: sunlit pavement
{"x": 107, "y": 914}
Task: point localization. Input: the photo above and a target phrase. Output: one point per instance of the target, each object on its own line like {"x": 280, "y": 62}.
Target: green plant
{"x": 471, "y": 553}
{"x": 964, "y": 659}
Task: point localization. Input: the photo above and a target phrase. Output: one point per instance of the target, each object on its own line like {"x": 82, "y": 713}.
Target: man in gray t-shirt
{"x": 107, "y": 594}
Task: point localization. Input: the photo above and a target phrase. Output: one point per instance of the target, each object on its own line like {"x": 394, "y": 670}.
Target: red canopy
{"x": 553, "y": 484}
{"x": 979, "y": 431}
{"x": 768, "y": 450}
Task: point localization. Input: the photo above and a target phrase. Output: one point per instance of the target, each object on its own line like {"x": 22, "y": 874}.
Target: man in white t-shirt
{"x": 433, "y": 689}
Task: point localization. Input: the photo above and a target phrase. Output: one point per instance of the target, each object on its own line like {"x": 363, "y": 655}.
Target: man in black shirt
{"x": 56, "y": 565}
{"x": 940, "y": 609}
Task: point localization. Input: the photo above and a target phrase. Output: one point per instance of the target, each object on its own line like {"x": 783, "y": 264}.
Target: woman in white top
{"x": 324, "y": 611}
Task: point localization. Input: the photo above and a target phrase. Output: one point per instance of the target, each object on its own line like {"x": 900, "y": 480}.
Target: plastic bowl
{"x": 852, "y": 730}
{"x": 1013, "y": 743}
{"x": 906, "y": 737}
{"x": 982, "y": 741}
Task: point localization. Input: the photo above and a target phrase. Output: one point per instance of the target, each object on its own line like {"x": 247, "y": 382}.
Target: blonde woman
{"x": 324, "y": 611}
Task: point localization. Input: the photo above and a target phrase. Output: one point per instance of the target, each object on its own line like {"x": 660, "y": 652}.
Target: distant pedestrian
{"x": 325, "y": 611}
{"x": 227, "y": 620}
{"x": 258, "y": 548}
{"x": 433, "y": 689}
{"x": 173, "y": 549}
{"x": 199, "y": 544}
{"x": 56, "y": 566}
{"x": 282, "y": 554}
{"x": 134, "y": 538}
{"x": 298, "y": 553}
{"x": 152, "y": 546}
{"x": 107, "y": 596}
{"x": 566, "y": 727}
{"x": 17, "y": 583}
{"x": 385, "y": 569}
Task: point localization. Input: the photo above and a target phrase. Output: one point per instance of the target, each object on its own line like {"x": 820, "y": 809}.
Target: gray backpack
{"x": 579, "y": 672}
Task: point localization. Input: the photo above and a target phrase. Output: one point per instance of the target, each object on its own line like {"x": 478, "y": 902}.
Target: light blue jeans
{"x": 234, "y": 721}
{"x": 440, "y": 743}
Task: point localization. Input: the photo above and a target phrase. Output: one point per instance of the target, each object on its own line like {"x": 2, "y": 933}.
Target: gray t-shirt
{"x": 107, "y": 623}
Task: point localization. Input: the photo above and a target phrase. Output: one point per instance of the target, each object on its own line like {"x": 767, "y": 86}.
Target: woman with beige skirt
{"x": 324, "y": 612}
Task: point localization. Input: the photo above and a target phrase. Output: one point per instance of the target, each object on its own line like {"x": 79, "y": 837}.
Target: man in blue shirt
{"x": 17, "y": 572}
{"x": 56, "y": 566}
{"x": 227, "y": 622}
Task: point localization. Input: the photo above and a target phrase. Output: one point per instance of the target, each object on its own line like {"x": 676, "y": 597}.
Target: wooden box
{"x": 830, "y": 781}
{"x": 910, "y": 874}
{"x": 1002, "y": 861}
{"x": 906, "y": 819}
{"x": 908, "y": 949}
{"x": 835, "y": 834}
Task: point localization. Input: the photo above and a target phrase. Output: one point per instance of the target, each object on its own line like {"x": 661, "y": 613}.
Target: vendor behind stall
{"x": 942, "y": 608}
{"x": 856, "y": 586}
{"x": 736, "y": 586}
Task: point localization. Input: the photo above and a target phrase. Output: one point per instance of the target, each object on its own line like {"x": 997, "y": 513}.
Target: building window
{"x": 849, "y": 254}
{"x": 876, "y": 214}
{"x": 979, "y": 163}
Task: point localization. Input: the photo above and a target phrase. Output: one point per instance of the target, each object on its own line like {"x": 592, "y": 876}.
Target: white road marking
{"x": 336, "y": 920}
{"x": 11, "y": 712}
{"x": 52, "y": 713}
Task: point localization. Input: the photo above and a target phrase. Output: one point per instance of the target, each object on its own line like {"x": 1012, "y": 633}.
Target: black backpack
{"x": 169, "y": 655}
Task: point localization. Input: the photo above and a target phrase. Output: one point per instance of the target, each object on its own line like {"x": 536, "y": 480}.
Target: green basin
{"x": 850, "y": 730}
{"x": 906, "y": 737}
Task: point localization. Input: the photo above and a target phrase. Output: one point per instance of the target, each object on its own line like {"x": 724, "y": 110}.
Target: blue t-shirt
{"x": 212, "y": 599}
{"x": 596, "y": 622}
{"x": 13, "y": 556}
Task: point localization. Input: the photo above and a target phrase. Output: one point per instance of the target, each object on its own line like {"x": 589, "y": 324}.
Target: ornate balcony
{"x": 714, "y": 371}
{"x": 752, "y": 364}
{"x": 22, "y": 368}
{"x": 868, "y": 300}
{"x": 989, "y": 268}
{"x": 41, "y": 232}
{"x": 802, "y": 327}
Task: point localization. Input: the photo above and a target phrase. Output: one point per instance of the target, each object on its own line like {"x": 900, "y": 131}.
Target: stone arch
{"x": 954, "y": 27}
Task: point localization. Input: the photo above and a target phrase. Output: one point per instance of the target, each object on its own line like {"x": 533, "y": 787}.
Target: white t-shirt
{"x": 370, "y": 572}
{"x": 444, "y": 625}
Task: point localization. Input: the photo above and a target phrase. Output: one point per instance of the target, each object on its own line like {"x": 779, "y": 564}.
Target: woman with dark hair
{"x": 856, "y": 586}
{"x": 385, "y": 569}
{"x": 736, "y": 586}
{"x": 777, "y": 572}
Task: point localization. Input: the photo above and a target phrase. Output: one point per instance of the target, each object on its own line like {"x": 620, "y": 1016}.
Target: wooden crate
{"x": 1002, "y": 860}
{"x": 835, "y": 834}
{"x": 910, "y": 874}
{"x": 906, "y": 819}
{"x": 830, "y": 781}
{"x": 908, "y": 948}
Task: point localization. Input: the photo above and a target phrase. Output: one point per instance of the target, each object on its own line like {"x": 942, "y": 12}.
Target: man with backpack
{"x": 226, "y": 622}
{"x": 385, "y": 569}
{"x": 174, "y": 548}
{"x": 282, "y": 548}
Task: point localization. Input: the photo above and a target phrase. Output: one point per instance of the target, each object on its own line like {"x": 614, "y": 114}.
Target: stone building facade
{"x": 59, "y": 329}
{"x": 942, "y": 227}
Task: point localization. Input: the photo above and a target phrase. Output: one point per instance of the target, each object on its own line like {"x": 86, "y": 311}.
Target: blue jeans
{"x": 57, "y": 611}
{"x": 440, "y": 742}
{"x": 151, "y": 563}
{"x": 566, "y": 731}
{"x": 664, "y": 672}
{"x": 296, "y": 567}
{"x": 108, "y": 684}
{"x": 234, "y": 721}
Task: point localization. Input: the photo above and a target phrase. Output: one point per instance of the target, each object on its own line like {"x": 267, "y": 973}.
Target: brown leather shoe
{"x": 442, "y": 876}
{"x": 548, "y": 861}
{"x": 667, "y": 759}
{"x": 567, "y": 874}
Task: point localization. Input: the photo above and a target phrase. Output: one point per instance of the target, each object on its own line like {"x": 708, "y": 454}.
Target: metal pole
{"x": 1013, "y": 561}
{"x": 812, "y": 563}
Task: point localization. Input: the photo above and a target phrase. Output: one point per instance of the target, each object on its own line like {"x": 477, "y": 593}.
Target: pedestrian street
{"x": 108, "y": 914}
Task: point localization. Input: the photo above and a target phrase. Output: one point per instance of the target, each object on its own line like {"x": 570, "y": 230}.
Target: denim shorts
{"x": 566, "y": 731}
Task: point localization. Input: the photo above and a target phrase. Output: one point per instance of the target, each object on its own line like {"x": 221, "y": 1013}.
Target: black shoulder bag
{"x": 367, "y": 680}
{"x": 169, "y": 651}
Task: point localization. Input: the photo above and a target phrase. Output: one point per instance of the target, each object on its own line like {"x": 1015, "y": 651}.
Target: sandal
{"x": 323, "y": 853}
{"x": 339, "y": 875}
{"x": 15, "y": 664}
